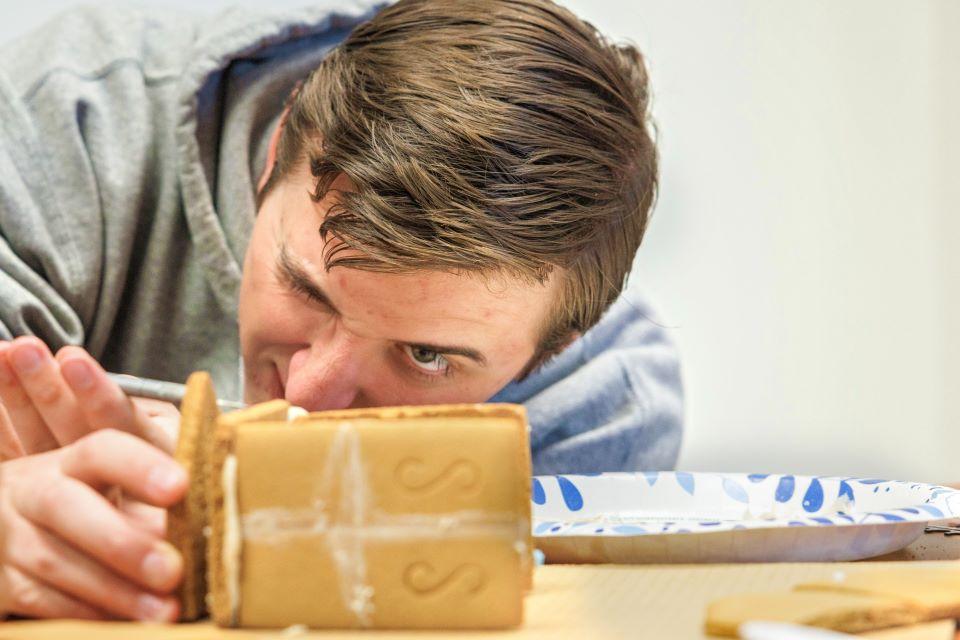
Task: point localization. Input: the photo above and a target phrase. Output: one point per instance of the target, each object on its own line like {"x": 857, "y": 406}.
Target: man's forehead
{"x": 467, "y": 297}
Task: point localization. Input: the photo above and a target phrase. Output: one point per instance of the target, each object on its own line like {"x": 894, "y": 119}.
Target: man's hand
{"x": 66, "y": 551}
{"x": 54, "y": 401}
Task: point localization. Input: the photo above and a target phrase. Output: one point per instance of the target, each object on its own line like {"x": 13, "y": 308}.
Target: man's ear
{"x": 272, "y": 150}
{"x": 275, "y": 140}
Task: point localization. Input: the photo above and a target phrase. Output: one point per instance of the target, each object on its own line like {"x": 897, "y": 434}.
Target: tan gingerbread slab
{"x": 395, "y": 521}
{"x": 837, "y": 610}
{"x": 935, "y": 590}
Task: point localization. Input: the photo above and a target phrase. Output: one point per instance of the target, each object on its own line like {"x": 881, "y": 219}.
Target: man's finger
{"x": 26, "y": 596}
{"x": 10, "y": 446}
{"x": 151, "y": 519}
{"x": 40, "y": 376}
{"x": 104, "y": 404}
{"x": 56, "y": 564}
{"x": 83, "y": 518}
{"x": 108, "y": 458}
{"x": 159, "y": 422}
{"x": 27, "y": 421}
{"x": 101, "y": 401}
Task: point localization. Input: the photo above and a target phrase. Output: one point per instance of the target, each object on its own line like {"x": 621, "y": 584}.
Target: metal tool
{"x": 758, "y": 630}
{"x": 950, "y": 530}
{"x": 161, "y": 390}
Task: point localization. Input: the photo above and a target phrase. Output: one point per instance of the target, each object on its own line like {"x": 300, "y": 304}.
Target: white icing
{"x": 277, "y": 525}
{"x": 231, "y": 536}
{"x": 296, "y": 412}
{"x": 348, "y": 550}
{"x": 295, "y": 630}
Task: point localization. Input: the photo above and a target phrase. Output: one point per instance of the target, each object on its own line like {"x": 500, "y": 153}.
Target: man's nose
{"x": 325, "y": 375}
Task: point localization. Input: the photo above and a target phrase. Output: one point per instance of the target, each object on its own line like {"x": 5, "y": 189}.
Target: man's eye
{"x": 427, "y": 360}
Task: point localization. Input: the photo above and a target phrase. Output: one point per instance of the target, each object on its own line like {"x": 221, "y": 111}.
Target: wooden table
{"x": 574, "y": 601}
{"x": 568, "y": 602}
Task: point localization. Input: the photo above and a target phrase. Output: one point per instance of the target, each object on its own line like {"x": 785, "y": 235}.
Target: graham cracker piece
{"x": 935, "y": 589}
{"x": 218, "y": 599}
{"x": 265, "y": 411}
{"x": 840, "y": 611}
{"x": 186, "y": 520}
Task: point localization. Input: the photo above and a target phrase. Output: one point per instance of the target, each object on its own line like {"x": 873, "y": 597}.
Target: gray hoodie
{"x": 130, "y": 142}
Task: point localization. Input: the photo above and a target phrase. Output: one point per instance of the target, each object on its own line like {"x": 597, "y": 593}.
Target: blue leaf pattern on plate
{"x": 785, "y": 489}
{"x": 846, "y": 491}
{"x": 932, "y": 510}
{"x": 735, "y": 491}
{"x": 571, "y": 495}
{"x": 813, "y": 499}
{"x": 685, "y": 480}
{"x": 889, "y": 517}
{"x": 758, "y": 477}
{"x": 629, "y": 530}
{"x": 651, "y": 477}
{"x": 543, "y": 527}
{"x": 539, "y": 495}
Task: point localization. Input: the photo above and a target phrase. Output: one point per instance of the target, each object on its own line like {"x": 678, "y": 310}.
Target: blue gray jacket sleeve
{"x": 611, "y": 401}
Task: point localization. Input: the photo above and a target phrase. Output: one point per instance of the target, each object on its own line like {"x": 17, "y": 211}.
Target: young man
{"x": 446, "y": 208}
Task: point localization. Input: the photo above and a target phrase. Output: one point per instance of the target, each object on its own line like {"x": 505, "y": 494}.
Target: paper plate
{"x": 671, "y": 517}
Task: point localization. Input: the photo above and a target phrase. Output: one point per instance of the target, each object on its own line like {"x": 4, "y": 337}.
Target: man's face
{"x": 354, "y": 338}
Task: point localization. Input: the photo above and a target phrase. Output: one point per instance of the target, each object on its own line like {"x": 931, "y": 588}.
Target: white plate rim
{"x": 938, "y": 503}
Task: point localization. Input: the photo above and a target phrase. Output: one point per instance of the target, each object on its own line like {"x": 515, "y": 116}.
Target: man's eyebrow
{"x": 291, "y": 270}
{"x": 466, "y": 352}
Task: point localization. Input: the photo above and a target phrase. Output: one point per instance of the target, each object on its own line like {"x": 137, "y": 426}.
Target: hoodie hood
{"x": 289, "y": 40}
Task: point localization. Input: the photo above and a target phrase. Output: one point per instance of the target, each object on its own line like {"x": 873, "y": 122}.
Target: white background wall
{"x": 802, "y": 250}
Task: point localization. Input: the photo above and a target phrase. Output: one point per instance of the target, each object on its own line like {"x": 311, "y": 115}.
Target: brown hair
{"x": 482, "y": 136}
